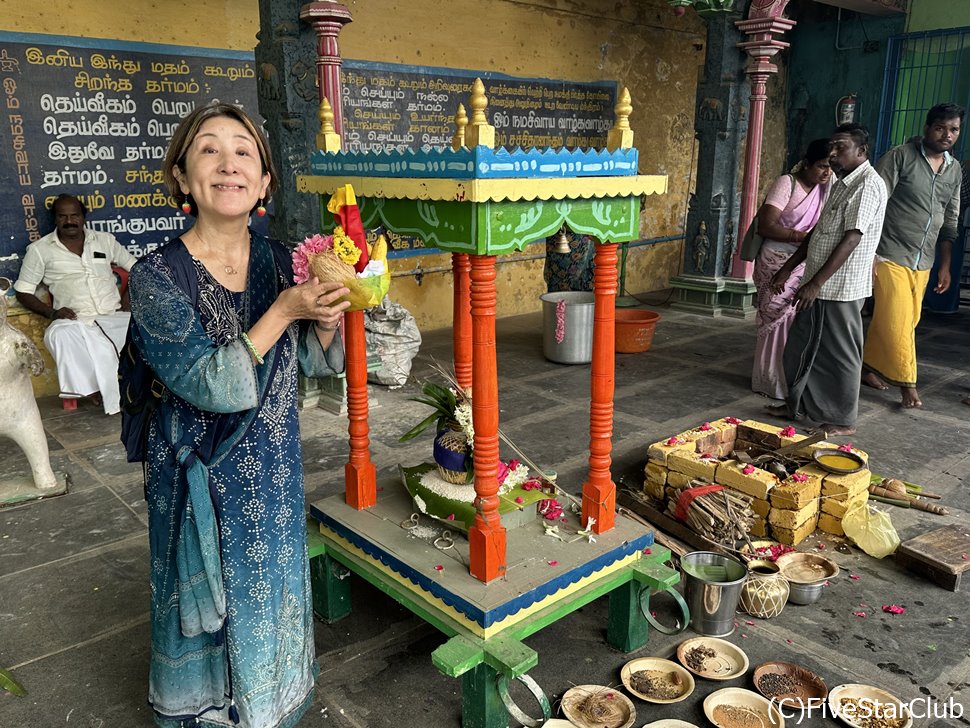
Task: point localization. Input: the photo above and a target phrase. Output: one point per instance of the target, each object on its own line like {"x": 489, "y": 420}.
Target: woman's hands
{"x": 315, "y": 301}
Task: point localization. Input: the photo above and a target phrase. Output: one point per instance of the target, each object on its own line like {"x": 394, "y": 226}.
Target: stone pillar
{"x": 286, "y": 82}
{"x": 720, "y": 123}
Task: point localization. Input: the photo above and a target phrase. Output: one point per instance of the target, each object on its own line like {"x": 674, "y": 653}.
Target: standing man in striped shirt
{"x": 823, "y": 355}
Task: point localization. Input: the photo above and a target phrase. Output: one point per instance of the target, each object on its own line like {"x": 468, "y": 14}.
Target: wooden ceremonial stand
{"x": 476, "y": 203}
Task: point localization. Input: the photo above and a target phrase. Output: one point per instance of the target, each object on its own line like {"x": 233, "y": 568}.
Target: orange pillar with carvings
{"x": 599, "y": 492}
{"x": 487, "y": 536}
{"x": 360, "y": 476}
{"x": 462, "y": 319}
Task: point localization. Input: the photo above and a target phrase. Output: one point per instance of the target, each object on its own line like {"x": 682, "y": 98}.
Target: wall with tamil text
{"x": 641, "y": 45}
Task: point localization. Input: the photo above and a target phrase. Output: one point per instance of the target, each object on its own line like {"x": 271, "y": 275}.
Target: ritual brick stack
{"x": 788, "y": 511}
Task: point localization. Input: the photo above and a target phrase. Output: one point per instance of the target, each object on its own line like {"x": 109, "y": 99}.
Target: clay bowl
{"x": 660, "y": 665}
{"x": 741, "y": 702}
{"x": 728, "y": 663}
{"x": 625, "y": 713}
{"x": 808, "y": 689}
{"x": 838, "y": 461}
{"x": 857, "y": 691}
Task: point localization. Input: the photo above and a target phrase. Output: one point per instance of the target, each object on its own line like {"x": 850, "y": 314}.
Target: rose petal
{"x": 553, "y": 563}
{"x": 749, "y": 623}
{"x": 854, "y": 577}
{"x": 519, "y": 499}
{"x": 451, "y": 516}
{"x": 743, "y": 634}
{"x": 789, "y": 642}
{"x": 439, "y": 567}
{"x": 859, "y": 614}
{"x": 647, "y": 551}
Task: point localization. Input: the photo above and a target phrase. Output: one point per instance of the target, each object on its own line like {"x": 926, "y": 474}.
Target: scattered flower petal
{"x": 964, "y": 557}
{"x": 826, "y": 583}
{"x": 672, "y": 441}
{"x": 439, "y": 567}
{"x": 610, "y": 696}
{"x": 820, "y": 546}
{"x": 854, "y": 577}
{"x": 519, "y": 499}
{"x": 451, "y": 516}
{"x": 732, "y": 420}
{"x": 705, "y": 427}
{"x": 859, "y": 614}
{"x": 749, "y": 623}
{"x": 553, "y": 563}
{"x": 799, "y": 477}
{"x": 893, "y": 609}
{"x": 789, "y": 642}
{"x": 744, "y": 635}
{"x": 847, "y": 447}
{"x": 653, "y": 614}
{"x": 648, "y": 551}
{"x": 788, "y": 431}
{"x": 747, "y": 469}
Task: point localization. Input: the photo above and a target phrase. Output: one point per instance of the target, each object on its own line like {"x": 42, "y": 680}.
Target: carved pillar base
{"x": 737, "y": 298}
{"x": 698, "y": 294}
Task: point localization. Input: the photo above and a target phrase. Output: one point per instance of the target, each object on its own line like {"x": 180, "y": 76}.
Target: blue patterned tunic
{"x": 232, "y": 620}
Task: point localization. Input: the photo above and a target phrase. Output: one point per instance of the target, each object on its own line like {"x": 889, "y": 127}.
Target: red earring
{"x": 261, "y": 210}
{"x": 187, "y": 206}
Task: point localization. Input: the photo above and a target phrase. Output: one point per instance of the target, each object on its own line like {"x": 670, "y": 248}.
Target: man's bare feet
{"x": 911, "y": 398}
{"x": 836, "y": 430}
{"x": 95, "y": 399}
{"x": 871, "y": 379}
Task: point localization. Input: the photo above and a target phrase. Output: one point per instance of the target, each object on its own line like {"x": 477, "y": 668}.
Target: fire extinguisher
{"x": 845, "y": 110}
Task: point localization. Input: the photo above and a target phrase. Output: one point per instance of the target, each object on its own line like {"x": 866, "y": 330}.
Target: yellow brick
{"x": 654, "y": 489}
{"x": 833, "y": 484}
{"x": 836, "y": 507}
{"x": 677, "y": 480}
{"x": 659, "y": 451}
{"x": 784, "y": 518}
{"x": 656, "y": 472}
{"x": 692, "y": 464}
{"x": 759, "y": 528}
{"x": 760, "y": 507}
{"x": 705, "y": 441}
{"x": 725, "y": 449}
{"x": 793, "y": 537}
{"x": 760, "y": 434}
{"x": 756, "y": 484}
{"x": 726, "y": 432}
{"x": 830, "y": 524}
{"x": 792, "y": 494}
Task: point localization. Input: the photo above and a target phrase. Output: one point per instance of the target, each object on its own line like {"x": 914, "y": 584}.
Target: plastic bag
{"x": 392, "y": 332}
{"x": 871, "y": 530}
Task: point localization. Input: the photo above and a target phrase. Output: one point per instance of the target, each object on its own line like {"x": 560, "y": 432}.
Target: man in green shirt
{"x": 923, "y": 181}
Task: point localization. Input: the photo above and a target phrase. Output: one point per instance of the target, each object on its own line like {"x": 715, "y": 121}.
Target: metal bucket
{"x": 569, "y": 340}
{"x": 712, "y": 586}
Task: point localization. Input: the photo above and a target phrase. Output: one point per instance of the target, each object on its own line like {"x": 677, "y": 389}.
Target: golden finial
{"x": 479, "y": 131}
{"x": 461, "y": 121}
{"x": 621, "y": 135}
{"x": 328, "y": 140}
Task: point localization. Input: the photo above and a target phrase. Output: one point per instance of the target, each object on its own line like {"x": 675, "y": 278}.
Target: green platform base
{"x": 487, "y": 655}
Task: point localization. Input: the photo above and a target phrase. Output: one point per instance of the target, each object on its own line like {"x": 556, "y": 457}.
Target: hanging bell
{"x": 561, "y": 243}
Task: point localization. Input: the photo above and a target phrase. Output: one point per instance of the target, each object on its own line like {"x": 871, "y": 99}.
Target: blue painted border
{"x": 108, "y": 44}
{"x": 482, "y": 618}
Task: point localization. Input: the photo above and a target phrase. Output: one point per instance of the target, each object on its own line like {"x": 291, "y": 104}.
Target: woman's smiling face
{"x": 223, "y": 170}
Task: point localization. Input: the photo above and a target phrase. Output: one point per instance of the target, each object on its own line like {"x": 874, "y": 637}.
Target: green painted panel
{"x": 497, "y": 228}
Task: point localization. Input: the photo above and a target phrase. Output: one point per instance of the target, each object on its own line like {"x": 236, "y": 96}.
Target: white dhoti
{"x": 86, "y": 354}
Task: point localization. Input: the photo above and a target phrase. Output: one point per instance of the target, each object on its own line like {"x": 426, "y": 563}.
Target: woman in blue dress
{"x": 216, "y": 315}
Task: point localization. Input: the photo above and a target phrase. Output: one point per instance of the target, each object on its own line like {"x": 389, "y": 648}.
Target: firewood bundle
{"x": 719, "y": 514}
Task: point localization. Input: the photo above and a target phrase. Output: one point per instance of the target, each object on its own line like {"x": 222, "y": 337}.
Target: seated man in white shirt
{"x": 88, "y": 326}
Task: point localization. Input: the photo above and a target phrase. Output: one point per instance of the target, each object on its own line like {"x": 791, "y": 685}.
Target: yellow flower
{"x": 344, "y": 247}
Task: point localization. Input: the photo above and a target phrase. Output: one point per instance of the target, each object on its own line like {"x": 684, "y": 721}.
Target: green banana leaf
{"x": 10, "y": 685}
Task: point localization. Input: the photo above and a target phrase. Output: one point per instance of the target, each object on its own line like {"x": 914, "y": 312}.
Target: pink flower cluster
{"x": 732, "y": 420}
{"x": 673, "y": 441}
{"x": 550, "y": 509}
{"x": 560, "y": 320}
{"x": 532, "y": 484}
{"x": 799, "y": 477}
{"x": 774, "y": 551}
{"x": 747, "y": 469}
{"x": 847, "y": 447}
{"x": 705, "y": 427}
{"x": 788, "y": 431}
{"x": 301, "y": 255}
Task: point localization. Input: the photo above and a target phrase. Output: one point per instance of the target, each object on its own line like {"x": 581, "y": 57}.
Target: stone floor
{"x": 73, "y": 573}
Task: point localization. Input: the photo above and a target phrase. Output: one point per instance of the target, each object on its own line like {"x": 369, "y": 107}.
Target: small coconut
{"x": 326, "y": 266}
{"x": 894, "y": 486}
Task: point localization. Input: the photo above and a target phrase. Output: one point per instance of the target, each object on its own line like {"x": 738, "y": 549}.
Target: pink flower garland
{"x": 301, "y": 255}
{"x": 560, "y": 320}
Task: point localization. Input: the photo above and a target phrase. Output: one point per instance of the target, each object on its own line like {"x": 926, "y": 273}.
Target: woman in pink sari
{"x": 790, "y": 211}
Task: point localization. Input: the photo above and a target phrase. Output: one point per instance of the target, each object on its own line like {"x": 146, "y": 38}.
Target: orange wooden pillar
{"x": 462, "y": 319}
{"x": 599, "y": 492}
{"x": 360, "y": 476}
{"x": 487, "y": 536}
